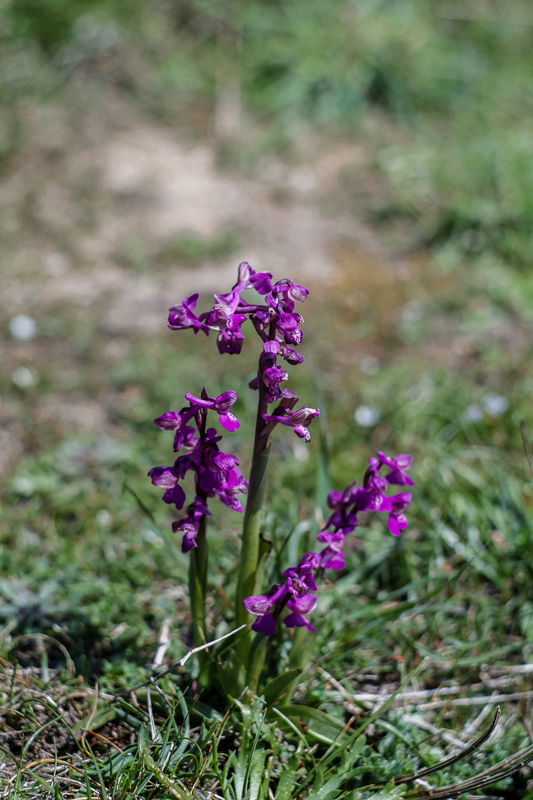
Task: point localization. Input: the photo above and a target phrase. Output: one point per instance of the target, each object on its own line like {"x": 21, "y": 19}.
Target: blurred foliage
{"x": 455, "y": 76}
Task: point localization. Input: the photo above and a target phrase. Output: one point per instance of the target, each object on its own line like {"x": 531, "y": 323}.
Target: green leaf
{"x": 97, "y": 720}
{"x": 279, "y": 685}
{"x": 256, "y": 774}
{"x": 319, "y": 724}
{"x": 329, "y": 790}
{"x": 202, "y": 710}
{"x": 230, "y": 675}
{"x": 287, "y": 780}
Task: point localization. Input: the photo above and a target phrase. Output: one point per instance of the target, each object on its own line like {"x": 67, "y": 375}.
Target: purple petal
{"x": 258, "y": 604}
{"x": 332, "y": 559}
{"x": 397, "y": 523}
{"x": 225, "y": 401}
{"x": 297, "y": 620}
{"x": 302, "y": 432}
{"x": 262, "y": 282}
{"x": 399, "y": 478}
{"x": 175, "y": 496}
{"x": 229, "y": 421}
{"x": 171, "y": 421}
{"x": 271, "y": 347}
{"x": 188, "y": 541}
{"x": 265, "y": 624}
{"x": 163, "y": 477}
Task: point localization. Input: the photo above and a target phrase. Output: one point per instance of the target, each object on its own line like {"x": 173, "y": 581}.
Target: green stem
{"x": 256, "y": 659}
{"x": 198, "y": 588}
{"x": 246, "y": 585}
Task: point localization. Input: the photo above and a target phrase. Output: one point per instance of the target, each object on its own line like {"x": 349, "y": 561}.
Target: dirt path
{"x": 98, "y": 208}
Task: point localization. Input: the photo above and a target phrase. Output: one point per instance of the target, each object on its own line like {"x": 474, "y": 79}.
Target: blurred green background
{"x": 379, "y": 152}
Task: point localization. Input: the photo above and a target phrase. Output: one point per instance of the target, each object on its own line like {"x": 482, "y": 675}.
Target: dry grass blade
{"x": 453, "y": 759}
{"x": 502, "y": 770}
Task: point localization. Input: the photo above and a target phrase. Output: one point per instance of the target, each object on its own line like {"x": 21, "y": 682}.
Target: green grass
{"x": 105, "y": 571}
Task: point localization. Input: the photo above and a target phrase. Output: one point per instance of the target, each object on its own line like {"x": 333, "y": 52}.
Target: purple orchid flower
{"x": 272, "y": 377}
{"x": 261, "y": 282}
{"x": 371, "y": 495}
{"x": 220, "y": 404}
{"x": 291, "y": 290}
{"x": 344, "y": 516}
{"x": 397, "y": 521}
{"x": 332, "y": 556}
{"x": 288, "y": 326}
{"x": 398, "y": 466}
{"x": 174, "y": 421}
{"x": 233, "y": 485}
{"x": 183, "y": 316}
{"x": 291, "y": 356}
{"x": 299, "y": 607}
{"x": 191, "y": 523}
{"x": 308, "y": 564}
{"x": 166, "y": 478}
{"x": 230, "y": 340}
{"x": 262, "y": 606}
{"x": 296, "y": 419}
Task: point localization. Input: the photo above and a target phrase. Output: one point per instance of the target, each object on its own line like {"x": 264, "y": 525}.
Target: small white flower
{"x": 367, "y": 416}
{"x": 23, "y": 378}
{"x": 103, "y": 517}
{"x": 473, "y": 413}
{"x": 22, "y": 328}
{"x": 495, "y": 404}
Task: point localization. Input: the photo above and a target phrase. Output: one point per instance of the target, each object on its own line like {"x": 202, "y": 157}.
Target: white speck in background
{"x": 367, "y": 416}
{"x": 22, "y": 328}
{"x": 300, "y": 450}
{"x": 103, "y": 517}
{"x": 369, "y": 365}
{"x": 24, "y": 378}
{"x": 473, "y": 413}
{"x": 495, "y": 404}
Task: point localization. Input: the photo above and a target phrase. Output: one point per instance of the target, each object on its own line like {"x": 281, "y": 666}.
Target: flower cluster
{"x": 296, "y": 592}
{"x": 277, "y": 315}
{"x": 215, "y": 472}
{"x": 277, "y": 324}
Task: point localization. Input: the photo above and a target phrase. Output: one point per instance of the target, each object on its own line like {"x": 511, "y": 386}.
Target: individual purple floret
{"x": 371, "y": 495}
{"x": 262, "y": 606}
{"x": 166, "y": 478}
{"x": 296, "y": 419}
{"x": 294, "y": 590}
{"x": 299, "y": 607}
{"x": 398, "y": 522}
{"x": 183, "y": 316}
{"x": 190, "y": 524}
{"x": 332, "y": 557}
{"x": 398, "y": 467}
{"x": 272, "y": 377}
{"x": 220, "y": 404}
